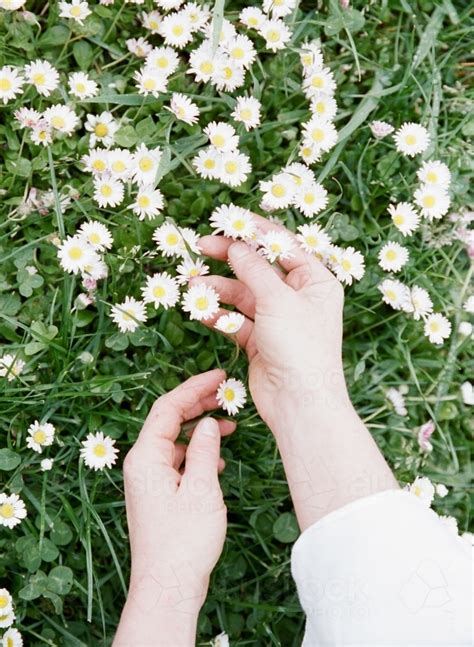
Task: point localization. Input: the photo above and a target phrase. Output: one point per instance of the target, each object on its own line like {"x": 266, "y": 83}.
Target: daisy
{"x": 76, "y": 10}
{"x": 422, "y": 488}
{"x": 323, "y": 106}
{"x": 222, "y": 136}
{"x": 227, "y": 76}
{"x": 129, "y": 314}
{"x": 12, "y": 638}
{"x": 11, "y": 367}
{"x": 108, "y": 192}
{"x": 7, "y": 618}
{"x": 11, "y": 5}
{"x": 433, "y": 201}
{"x": 163, "y": 59}
{"x": 12, "y": 510}
{"x": 392, "y": 257}
{"x": 151, "y": 21}
{"x": 233, "y": 221}
{"x": 234, "y": 168}
{"x": 62, "y": 118}
{"x": 227, "y": 31}
{"x": 161, "y": 290}
{"x": 46, "y": 464}
{"x": 172, "y": 240}
{"x": 279, "y": 8}
{"x": 196, "y": 14}
{"x": 320, "y": 133}
{"x": 203, "y": 62}
{"x": 275, "y": 33}
{"x": 120, "y": 163}
{"x": 43, "y": 76}
{"x": 96, "y": 234}
{"x": 240, "y": 50}
{"x": 169, "y": 4}
{"x": 27, "y": 117}
{"x": 313, "y": 239}
{"x": 150, "y": 81}
{"x": 437, "y": 328}
{"x": 98, "y": 451}
{"x": 95, "y": 270}
{"x": 319, "y": 80}
{"x": 423, "y": 436}
{"x": 276, "y": 245}
{"x": 148, "y": 203}
{"x": 183, "y": 108}
{"x": 208, "y": 163}
{"x": 230, "y": 323}
{"x": 103, "y": 128}
{"x": 247, "y": 112}
{"x": 467, "y": 393}
{"x": 300, "y": 174}
{"x": 434, "y": 173}
{"x": 6, "y": 602}
{"x": 411, "y": 139}
{"x": 81, "y": 86}
{"x": 418, "y": 303}
{"x": 381, "y": 129}
{"x": 278, "y": 192}
{"x": 75, "y": 253}
{"x": 404, "y": 217}
{"x": 140, "y": 47}
{"x": 396, "y": 397}
{"x": 201, "y": 301}
{"x": 349, "y": 265}
{"x": 231, "y": 395}
{"x": 252, "y": 17}
{"x": 11, "y": 83}
{"x": 176, "y": 29}
{"x": 309, "y": 152}
{"x": 40, "y": 435}
{"x": 96, "y": 161}
{"x": 189, "y": 269}
{"x": 146, "y": 163}
{"x": 41, "y": 134}
{"x": 311, "y": 199}
{"x": 394, "y": 293}
{"x": 311, "y": 56}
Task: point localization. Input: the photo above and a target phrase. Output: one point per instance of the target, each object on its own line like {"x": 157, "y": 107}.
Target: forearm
{"x": 329, "y": 456}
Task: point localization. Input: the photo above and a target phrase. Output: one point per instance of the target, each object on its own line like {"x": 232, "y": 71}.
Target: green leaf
{"x": 146, "y": 128}
{"x": 117, "y": 341}
{"x": 60, "y": 580}
{"x": 61, "y": 534}
{"x": 10, "y": 304}
{"x": 35, "y": 587}
{"x": 56, "y": 35}
{"x": 126, "y": 136}
{"x": 9, "y": 460}
{"x": 285, "y": 528}
{"x": 20, "y": 166}
{"x": 32, "y": 557}
{"x": 83, "y": 53}
{"x": 55, "y": 599}
{"x": 49, "y": 551}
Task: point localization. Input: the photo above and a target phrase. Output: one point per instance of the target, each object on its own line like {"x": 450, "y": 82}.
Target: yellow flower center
{"x": 317, "y": 135}
{"x": 75, "y": 11}
{"x": 153, "y": 24}
{"x": 39, "y": 78}
{"x": 253, "y": 22}
{"x": 320, "y": 107}
{"x": 159, "y": 291}
{"x": 143, "y": 201}
{"x": 309, "y": 198}
{"x": 145, "y": 164}
{"x": 417, "y": 491}
{"x": 75, "y": 253}
{"x": 278, "y": 190}
{"x": 273, "y": 35}
{"x": 346, "y": 265}
{"x": 230, "y": 167}
{"x": 429, "y": 201}
{"x": 7, "y": 510}
{"x": 229, "y": 394}
{"x": 275, "y": 248}
{"x": 39, "y": 436}
{"x": 228, "y": 72}
{"x": 399, "y": 219}
{"x": 162, "y": 62}
{"x": 410, "y": 140}
{"x": 100, "y": 450}
{"x": 231, "y": 327}
{"x": 80, "y": 87}
{"x": 307, "y": 59}
{"x": 177, "y": 30}
{"x": 5, "y": 85}
{"x": 434, "y": 326}
{"x": 218, "y": 140}
{"x": 193, "y": 271}
{"x": 149, "y": 84}
{"x": 94, "y": 238}
{"x": 246, "y": 114}
{"x": 209, "y": 163}
{"x": 391, "y": 296}
{"x": 106, "y": 190}
{"x": 431, "y": 176}
{"x": 119, "y": 166}
{"x": 172, "y": 239}
{"x": 58, "y": 122}
{"x": 238, "y": 225}
{"x": 99, "y": 165}
{"x": 3, "y": 601}
{"x": 237, "y": 52}
{"x": 311, "y": 241}
{"x": 317, "y": 82}
{"x": 207, "y": 67}
{"x": 202, "y": 303}
{"x": 306, "y": 151}
{"x": 391, "y": 255}
{"x": 101, "y": 130}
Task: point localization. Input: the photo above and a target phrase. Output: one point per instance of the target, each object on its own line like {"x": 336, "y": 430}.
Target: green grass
{"x": 407, "y": 62}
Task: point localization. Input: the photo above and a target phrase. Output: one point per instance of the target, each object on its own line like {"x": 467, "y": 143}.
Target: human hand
{"x": 176, "y": 516}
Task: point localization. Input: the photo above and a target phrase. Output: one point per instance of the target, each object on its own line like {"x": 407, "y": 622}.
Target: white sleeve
{"x": 384, "y": 571}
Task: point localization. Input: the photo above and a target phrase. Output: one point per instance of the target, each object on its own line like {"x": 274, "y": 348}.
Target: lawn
{"x": 64, "y": 361}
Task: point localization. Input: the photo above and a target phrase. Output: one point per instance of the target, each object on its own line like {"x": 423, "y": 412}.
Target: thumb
{"x": 254, "y": 271}
{"x": 202, "y": 455}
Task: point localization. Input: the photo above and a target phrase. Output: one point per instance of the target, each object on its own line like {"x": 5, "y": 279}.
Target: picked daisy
{"x": 102, "y": 128}
{"x": 11, "y": 83}
{"x": 231, "y": 395}
{"x": 76, "y": 10}
{"x": 233, "y": 221}
{"x": 129, "y": 314}
{"x": 120, "y": 163}
{"x": 148, "y": 203}
{"x": 276, "y": 245}
{"x": 12, "y": 510}
{"x": 247, "y": 111}
{"x": 230, "y": 323}
{"x": 279, "y": 8}
{"x": 201, "y": 301}
{"x": 81, "y": 86}
{"x": 96, "y": 234}
{"x": 43, "y": 76}
{"x": 189, "y": 269}
{"x": 392, "y": 257}
{"x": 208, "y": 163}
{"x": 434, "y": 173}
{"x": 437, "y": 328}
{"x": 75, "y": 254}
{"x": 11, "y": 367}
{"x": 313, "y": 239}
{"x": 349, "y": 265}
{"x": 98, "y": 451}
{"x": 319, "y": 79}
{"x": 240, "y": 50}
{"x": 404, "y": 217}
{"x": 395, "y": 294}
{"x": 12, "y": 638}
{"x": 411, "y": 139}
{"x": 161, "y": 289}
{"x": 40, "y": 435}
{"x": 227, "y": 75}
{"x": 96, "y": 161}
{"x": 422, "y": 488}
{"x": 183, "y": 108}
{"x": 433, "y": 201}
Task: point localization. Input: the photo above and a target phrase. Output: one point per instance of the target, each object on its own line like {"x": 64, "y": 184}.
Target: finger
{"x": 230, "y": 291}
{"x": 215, "y": 246}
{"x": 226, "y": 426}
{"x": 221, "y": 465}
{"x": 202, "y": 454}
{"x": 179, "y": 454}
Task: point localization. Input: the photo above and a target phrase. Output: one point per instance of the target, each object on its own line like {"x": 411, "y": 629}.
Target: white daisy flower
{"x": 311, "y": 56}
{"x": 176, "y": 241}
{"x": 433, "y": 201}
{"x": 252, "y": 17}
{"x": 437, "y": 328}
{"x": 435, "y": 173}
{"x": 418, "y": 303}
{"x": 404, "y": 217}
{"x": 183, "y": 108}
{"x": 467, "y": 393}
{"x": 103, "y": 128}
{"x": 222, "y": 136}
{"x": 189, "y": 269}
{"x": 349, "y": 265}
{"x": 197, "y": 15}
{"x": 76, "y": 10}
{"x": 396, "y": 397}
{"x": 227, "y": 31}
{"x": 279, "y": 8}
{"x": 176, "y": 29}
{"x": 167, "y": 5}
{"x": 7, "y": 618}
{"x": 203, "y": 62}
{"x": 108, "y": 192}
{"x": 275, "y": 245}
{"x": 411, "y": 139}
{"x": 61, "y": 118}
{"x": 120, "y": 163}
{"x": 42, "y": 133}
{"x": 75, "y": 253}
{"x": 275, "y": 33}
{"x": 310, "y": 152}
{"x": 394, "y": 293}
{"x": 231, "y": 323}
{"x": 12, "y": 510}
{"x": 151, "y": 21}
{"x": 300, "y": 174}
{"x": 163, "y": 59}
{"x": 323, "y": 106}
{"x": 234, "y": 168}
{"x": 98, "y": 451}
{"x": 381, "y": 129}
{"x": 247, "y": 112}
{"x": 208, "y": 163}
{"x": 12, "y": 638}
{"x": 231, "y": 395}
{"x": 393, "y": 256}
{"x": 240, "y": 50}
{"x": 227, "y": 75}
{"x": 319, "y": 80}
{"x": 40, "y": 435}
{"x": 43, "y": 76}
{"x": 96, "y": 234}
{"x": 422, "y": 488}
{"x": 11, "y": 367}
{"x": 46, "y": 464}
{"x": 95, "y": 270}
{"x": 278, "y": 193}
{"x": 129, "y": 314}
{"x": 11, "y": 83}
{"x": 150, "y": 81}
{"x": 81, "y": 86}
{"x": 201, "y": 301}
{"x": 233, "y": 221}
{"x": 146, "y": 163}
{"x": 320, "y": 133}
{"x": 311, "y": 198}
{"x": 313, "y": 239}
{"x": 423, "y": 437}
{"x": 27, "y": 117}
{"x": 6, "y": 602}
{"x": 96, "y": 161}
{"x": 161, "y": 290}
{"x": 140, "y": 47}
{"x": 148, "y": 203}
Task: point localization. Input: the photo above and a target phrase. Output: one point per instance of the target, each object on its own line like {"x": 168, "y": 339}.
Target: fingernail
{"x": 236, "y": 250}
{"x": 209, "y": 427}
